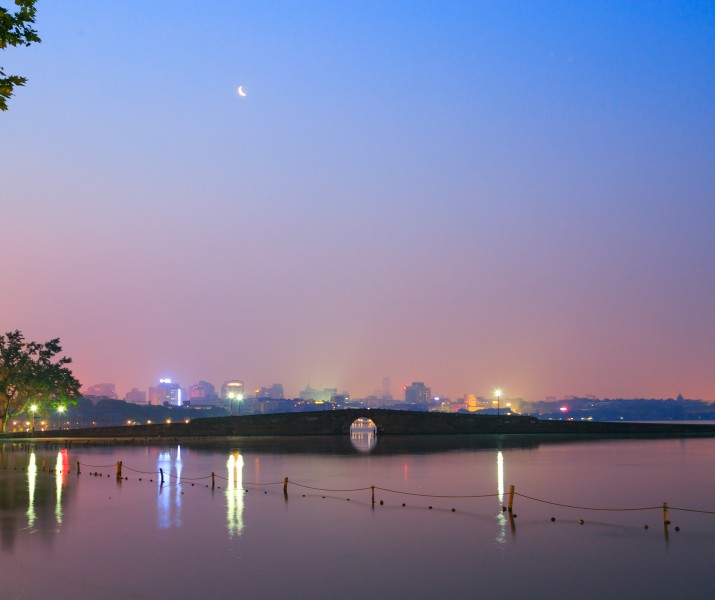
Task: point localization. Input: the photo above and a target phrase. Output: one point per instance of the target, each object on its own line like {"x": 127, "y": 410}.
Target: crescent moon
{"x": 240, "y": 91}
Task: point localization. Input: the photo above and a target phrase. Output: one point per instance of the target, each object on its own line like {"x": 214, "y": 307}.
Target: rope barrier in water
{"x": 317, "y": 489}
{"x": 435, "y": 495}
{"x": 287, "y": 482}
{"x": 587, "y": 507}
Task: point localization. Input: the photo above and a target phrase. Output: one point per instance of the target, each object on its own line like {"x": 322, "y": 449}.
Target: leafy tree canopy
{"x": 15, "y": 30}
{"x": 32, "y": 373}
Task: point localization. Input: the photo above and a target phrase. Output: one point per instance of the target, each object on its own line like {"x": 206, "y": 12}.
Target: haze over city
{"x": 466, "y": 194}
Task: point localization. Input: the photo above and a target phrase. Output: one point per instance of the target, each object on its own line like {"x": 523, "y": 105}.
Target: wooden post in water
{"x": 666, "y": 521}
{"x": 78, "y": 471}
{"x": 161, "y": 474}
{"x": 372, "y": 491}
{"x": 285, "y": 488}
{"x": 213, "y": 480}
{"x": 119, "y": 469}
{"x": 511, "y": 499}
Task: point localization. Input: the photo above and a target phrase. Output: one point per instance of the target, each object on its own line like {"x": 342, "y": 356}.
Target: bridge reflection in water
{"x": 363, "y": 434}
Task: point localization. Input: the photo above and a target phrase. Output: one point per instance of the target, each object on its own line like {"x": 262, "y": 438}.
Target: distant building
{"x": 232, "y": 389}
{"x": 167, "y": 393}
{"x": 417, "y": 393}
{"x": 317, "y": 395}
{"x": 386, "y": 391}
{"x": 233, "y": 394}
{"x": 471, "y": 404}
{"x": 202, "y": 394}
{"x": 103, "y": 390}
{"x": 135, "y": 396}
{"x": 275, "y": 392}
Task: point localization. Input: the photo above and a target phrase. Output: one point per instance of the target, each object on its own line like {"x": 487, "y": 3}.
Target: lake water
{"x": 66, "y": 535}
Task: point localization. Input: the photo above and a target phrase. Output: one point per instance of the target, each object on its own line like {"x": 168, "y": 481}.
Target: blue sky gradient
{"x": 465, "y": 193}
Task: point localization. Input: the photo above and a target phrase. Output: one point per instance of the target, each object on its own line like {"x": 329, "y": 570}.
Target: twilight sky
{"x": 469, "y": 194}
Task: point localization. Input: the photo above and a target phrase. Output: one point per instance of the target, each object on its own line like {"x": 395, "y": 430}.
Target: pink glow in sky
{"x": 465, "y": 194}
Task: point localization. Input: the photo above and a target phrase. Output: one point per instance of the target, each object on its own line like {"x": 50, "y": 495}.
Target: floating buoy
{"x": 580, "y": 521}
{"x": 645, "y": 526}
{"x": 430, "y": 507}
{"x": 677, "y": 528}
{"x": 553, "y": 519}
{"x": 381, "y": 503}
{"x": 453, "y": 510}
{"x": 403, "y": 504}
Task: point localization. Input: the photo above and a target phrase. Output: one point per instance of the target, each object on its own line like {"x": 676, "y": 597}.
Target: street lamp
{"x": 33, "y": 410}
{"x": 238, "y": 396}
{"x": 61, "y": 409}
{"x": 497, "y": 393}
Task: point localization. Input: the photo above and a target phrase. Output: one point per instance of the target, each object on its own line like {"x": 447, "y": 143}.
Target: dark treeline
{"x": 107, "y": 412}
{"x": 678, "y": 409}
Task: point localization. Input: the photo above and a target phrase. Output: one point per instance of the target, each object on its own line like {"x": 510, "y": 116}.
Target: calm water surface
{"x": 84, "y": 536}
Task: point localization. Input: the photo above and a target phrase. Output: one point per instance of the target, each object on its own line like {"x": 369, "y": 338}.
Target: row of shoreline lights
{"x": 34, "y": 408}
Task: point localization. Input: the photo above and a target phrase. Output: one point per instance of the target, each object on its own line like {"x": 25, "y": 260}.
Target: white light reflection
{"x": 168, "y": 500}
{"x": 501, "y": 518}
{"x": 31, "y": 481}
{"x": 234, "y": 495}
{"x": 500, "y": 476}
{"x": 60, "y": 474}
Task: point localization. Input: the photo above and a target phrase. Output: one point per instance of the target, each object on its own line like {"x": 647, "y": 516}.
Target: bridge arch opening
{"x": 363, "y": 434}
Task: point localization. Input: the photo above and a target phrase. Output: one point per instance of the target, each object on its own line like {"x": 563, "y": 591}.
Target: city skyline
{"x": 473, "y": 195}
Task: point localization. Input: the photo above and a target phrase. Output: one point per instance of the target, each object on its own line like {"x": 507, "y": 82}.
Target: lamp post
{"x": 231, "y": 396}
{"x": 239, "y": 397}
{"x": 497, "y": 393}
{"x": 61, "y": 409}
{"x": 33, "y": 410}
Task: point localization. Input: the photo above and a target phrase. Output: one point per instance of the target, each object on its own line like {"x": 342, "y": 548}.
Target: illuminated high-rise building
{"x": 417, "y": 393}
{"x": 166, "y": 393}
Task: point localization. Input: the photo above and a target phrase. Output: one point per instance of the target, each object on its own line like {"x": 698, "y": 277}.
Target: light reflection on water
{"x": 234, "y": 494}
{"x": 31, "y": 483}
{"x": 319, "y": 545}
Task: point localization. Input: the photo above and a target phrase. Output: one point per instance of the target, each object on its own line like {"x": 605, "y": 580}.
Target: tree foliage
{"x": 15, "y": 30}
{"x": 32, "y": 373}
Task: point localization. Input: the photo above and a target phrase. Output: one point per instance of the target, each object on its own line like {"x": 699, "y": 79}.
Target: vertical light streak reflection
{"x": 177, "y": 486}
{"x": 59, "y": 480}
{"x": 234, "y": 495}
{"x": 501, "y": 519}
{"x": 500, "y": 476}
{"x": 31, "y": 482}
{"x": 168, "y": 500}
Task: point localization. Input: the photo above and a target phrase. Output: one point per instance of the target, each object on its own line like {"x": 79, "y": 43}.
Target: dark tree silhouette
{"x": 32, "y": 373}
